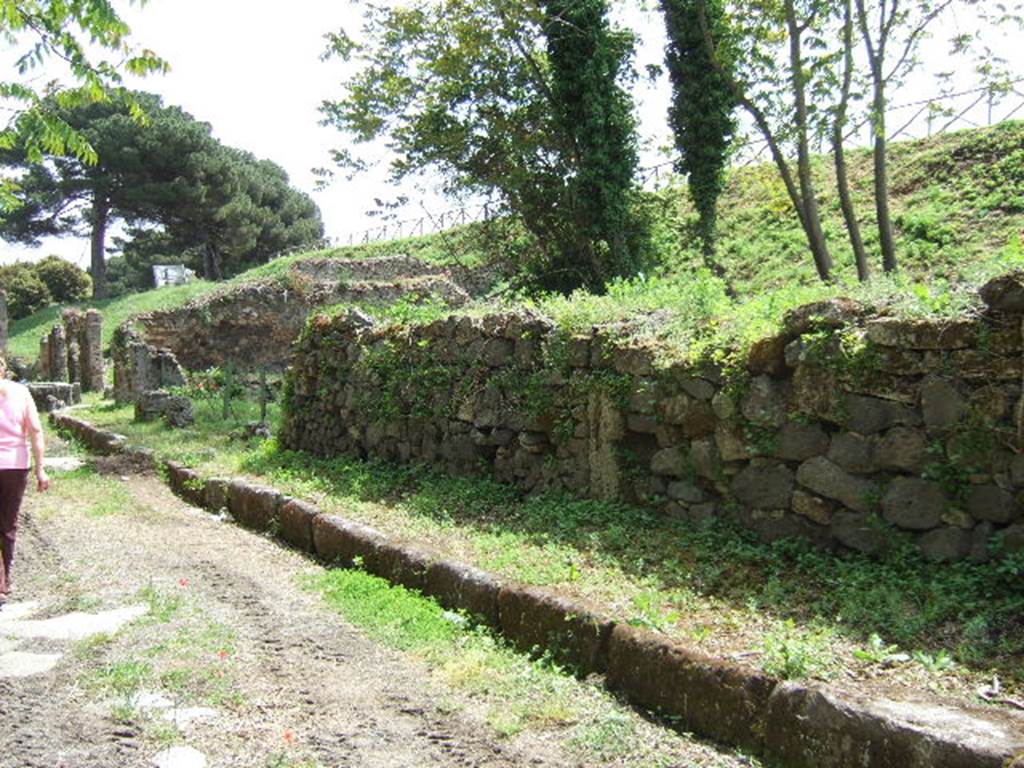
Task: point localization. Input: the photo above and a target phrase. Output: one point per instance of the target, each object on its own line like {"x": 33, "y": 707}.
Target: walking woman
{"x": 20, "y": 431}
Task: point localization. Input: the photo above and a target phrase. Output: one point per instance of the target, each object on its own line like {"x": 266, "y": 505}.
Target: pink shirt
{"x": 18, "y": 416}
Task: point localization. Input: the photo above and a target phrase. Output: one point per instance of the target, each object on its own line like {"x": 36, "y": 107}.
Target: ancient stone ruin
{"x": 73, "y": 351}
{"x": 848, "y": 429}
{"x": 252, "y": 326}
{"x": 143, "y": 374}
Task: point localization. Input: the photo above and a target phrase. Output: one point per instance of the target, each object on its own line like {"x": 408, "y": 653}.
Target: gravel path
{"x": 283, "y": 682}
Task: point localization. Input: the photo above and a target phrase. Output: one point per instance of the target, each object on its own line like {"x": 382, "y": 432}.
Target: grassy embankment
{"x": 785, "y": 607}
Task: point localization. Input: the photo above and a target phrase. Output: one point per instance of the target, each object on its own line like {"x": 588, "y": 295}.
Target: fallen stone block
{"x": 811, "y": 727}
{"x": 533, "y": 619}
{"x": 462, "y": 587}
{"x": 712, "y": 698}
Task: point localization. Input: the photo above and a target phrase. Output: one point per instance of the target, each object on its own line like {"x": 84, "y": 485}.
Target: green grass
{"x": 958, "y": 206}
{"x": 706, "y": 584}
{"x": 26, "y": 333}
{"x": 519, "y": 694}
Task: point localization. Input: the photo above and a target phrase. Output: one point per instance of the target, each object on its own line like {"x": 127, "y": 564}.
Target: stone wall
{"x": 73, "y": 350}
{"x": 139, "y": 367}
{"x": 844, "y": 429}
{"x": 252, "y": 326}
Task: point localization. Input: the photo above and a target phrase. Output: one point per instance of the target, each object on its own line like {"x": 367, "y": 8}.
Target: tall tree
{"x": 892, "y": 32}
{"x": 466, "y": 88}
{"x": 702, "y": 112}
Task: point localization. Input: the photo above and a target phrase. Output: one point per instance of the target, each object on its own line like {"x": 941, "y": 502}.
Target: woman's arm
{"x": 38, "y": 442}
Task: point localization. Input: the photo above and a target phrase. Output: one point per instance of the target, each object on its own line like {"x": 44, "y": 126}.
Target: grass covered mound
{"x": 958, "y": 205}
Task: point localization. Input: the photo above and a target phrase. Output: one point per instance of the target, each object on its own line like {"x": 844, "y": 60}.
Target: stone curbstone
{"x": 342, "y": 542}
{"x": 215, "y": 494}
{"x": 462, "y": 587}
{"x": 532, "y": 618}
{"x": 296, "y": 518}
{"x": 186, "y": 483}
{"x": 811, "y": 727}
{"x": 713, "y": 698}
{"x": 400, "y": 563}
{"x": 254, "y": 506}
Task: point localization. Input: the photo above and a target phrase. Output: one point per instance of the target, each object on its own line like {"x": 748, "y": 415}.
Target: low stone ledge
{"x": 98, "y": 440}
{"x": 811, "y": 727}
{"x": 254, "y": 506}
{"x": 186, "y": 483}
{"x": 712, "y": 697}
{"x": 215, "y": 494}
{"x": 462, "y": 587}
{"x": 342, "y": 542}
{"x": 296, "y": 518}
{"x": 400, "y": 563}
{"x": 533, "y": 619}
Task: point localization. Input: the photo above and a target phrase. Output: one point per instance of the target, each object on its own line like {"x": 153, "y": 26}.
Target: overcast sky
{"x": 252, "y": 69}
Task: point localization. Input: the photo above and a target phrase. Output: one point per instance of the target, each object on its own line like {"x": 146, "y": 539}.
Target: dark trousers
{"x": 12, "y": 489}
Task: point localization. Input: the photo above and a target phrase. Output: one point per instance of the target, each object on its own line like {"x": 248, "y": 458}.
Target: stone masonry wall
{"x": 845, "y": 429}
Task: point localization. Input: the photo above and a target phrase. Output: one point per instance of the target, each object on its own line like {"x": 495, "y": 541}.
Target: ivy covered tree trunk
{"x": 595, "y": 115}
{"x": 701, "y": 113}
{"x": 98, "y": 257}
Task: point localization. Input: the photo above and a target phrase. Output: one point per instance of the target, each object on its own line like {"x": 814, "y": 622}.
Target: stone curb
{"x": 789, "y": 724}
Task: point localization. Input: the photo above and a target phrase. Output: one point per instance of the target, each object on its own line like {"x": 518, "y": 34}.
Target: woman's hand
{"x": 42, "y": 480}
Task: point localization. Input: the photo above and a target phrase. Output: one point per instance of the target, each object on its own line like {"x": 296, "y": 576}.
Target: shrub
{"x": 67, "y": 283}
{"x": 26, "y": 293}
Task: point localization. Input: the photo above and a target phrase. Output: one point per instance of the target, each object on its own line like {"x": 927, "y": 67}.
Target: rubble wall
{"x": 845, "y": 429}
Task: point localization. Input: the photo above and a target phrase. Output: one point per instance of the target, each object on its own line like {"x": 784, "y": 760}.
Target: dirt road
{"x": 144, "y": 632}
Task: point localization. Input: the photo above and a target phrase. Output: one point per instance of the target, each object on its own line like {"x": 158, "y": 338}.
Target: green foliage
{"x": 467, "y": 89}
{"x": 67, "y": 283}
{"x": 26, "y": 292}
{"x": 702, "y": 109}
{"x": 595, "y": 114}
{"x": 75, "y": 33}
{"x": 791, "y": 653}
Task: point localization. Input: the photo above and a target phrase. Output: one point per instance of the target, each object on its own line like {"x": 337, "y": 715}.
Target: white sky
{"x": 252, "y": 69}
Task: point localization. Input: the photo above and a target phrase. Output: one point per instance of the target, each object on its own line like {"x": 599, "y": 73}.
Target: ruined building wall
{"x": 845, "y": 429}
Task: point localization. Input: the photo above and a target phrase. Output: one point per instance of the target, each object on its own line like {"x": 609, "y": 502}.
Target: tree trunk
{"x": 886, "y": 238}
{"x": 98, "y": 264}
{"x": 211, "y": 263}
{"x": 812, "y": 215}
{"x": 842, "y": 178}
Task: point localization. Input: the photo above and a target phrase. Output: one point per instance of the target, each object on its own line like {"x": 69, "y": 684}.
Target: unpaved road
{"x": 282, "y": 681}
